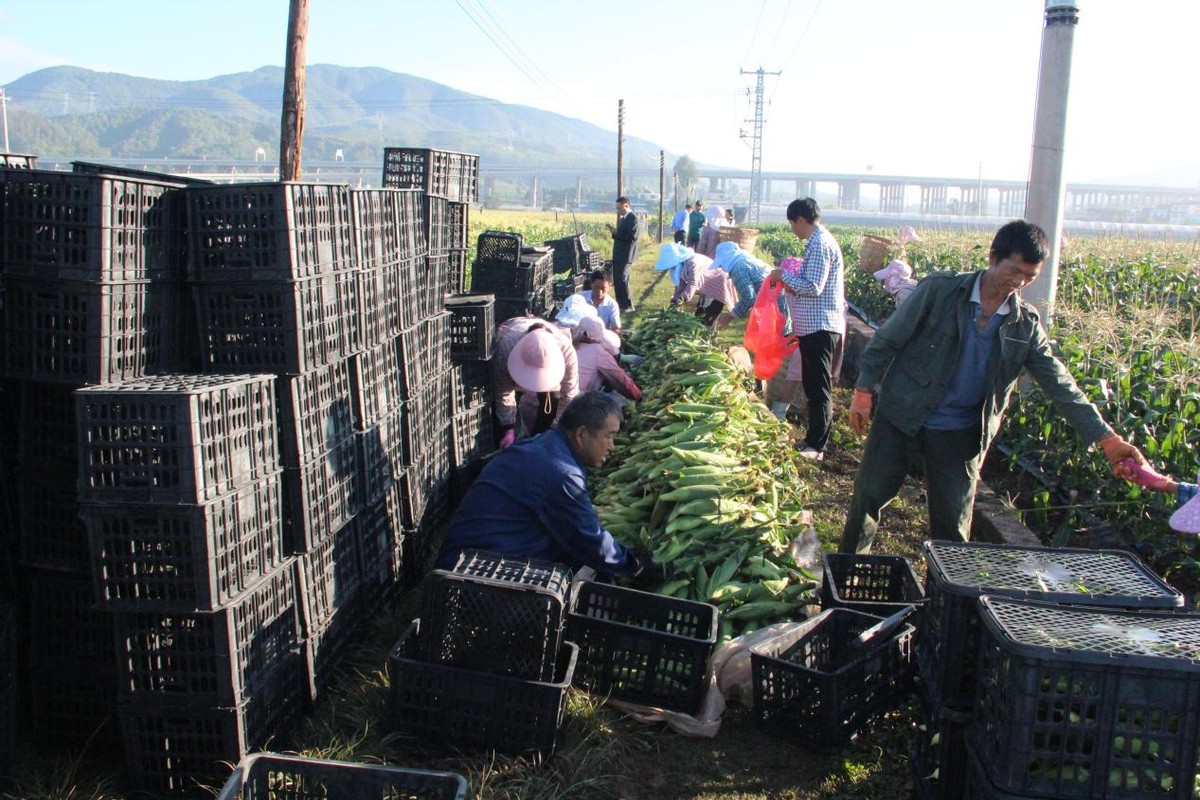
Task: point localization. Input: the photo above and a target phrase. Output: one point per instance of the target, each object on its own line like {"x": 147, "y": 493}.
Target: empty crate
{"x": 880, "y": 585}
{"x": 472, "y": 322}
{"x": 440, "y": 173}
{"x": 388, "y": 226}
{"x": 642, "y": 647}
{"x": 270, "y": 776}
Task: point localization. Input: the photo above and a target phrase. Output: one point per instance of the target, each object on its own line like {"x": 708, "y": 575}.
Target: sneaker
{"x": 811, "y": 453}
{"x": 795, "y": 415}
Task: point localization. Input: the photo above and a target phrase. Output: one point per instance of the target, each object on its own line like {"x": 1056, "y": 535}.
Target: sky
{"x": 942, "y": 88}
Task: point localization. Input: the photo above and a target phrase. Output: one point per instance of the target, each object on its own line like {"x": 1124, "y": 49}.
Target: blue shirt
{"x": 747, "y": 277}
{"x": 681, "y": 220}
{"x": 962, "y": 405}
{"x": 608, "y": 310}
{"x": 817, "y": 301}
{"x": 532, "y": 501}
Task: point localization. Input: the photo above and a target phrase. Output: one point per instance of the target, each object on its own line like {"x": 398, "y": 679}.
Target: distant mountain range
{"x": 79, "y": 113}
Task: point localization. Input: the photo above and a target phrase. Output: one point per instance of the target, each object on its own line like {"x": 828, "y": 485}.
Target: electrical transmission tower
{"x": 756, "y": 146}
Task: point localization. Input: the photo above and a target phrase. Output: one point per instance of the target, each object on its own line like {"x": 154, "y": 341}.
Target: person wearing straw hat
{"x": 1186, "y": 518}
{"x": 531, "y": 500}
{"x": 944, "y": 365}
{"x": 536, "y": 359}
{"x": 597, "y": 349}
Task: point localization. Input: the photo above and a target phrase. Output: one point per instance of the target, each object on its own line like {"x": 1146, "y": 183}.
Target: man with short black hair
{"x": 627, "y": 240}
{"x": 679, "y": 224}
{"x": 532, "y": 500}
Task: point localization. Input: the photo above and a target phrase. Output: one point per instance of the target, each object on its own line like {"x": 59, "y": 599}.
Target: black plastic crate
{"x": 92, "y": 228}
{"x": 423, "y": 351}
{"x": 13, "y": 161}
{"x": 873, "y": 584}
{"x": 433, "y": 284}
{"x": 50, "y": 533}
{"x": 445, "y": 225}
{"x": 570, "y": 252}
{"x": 425, "y": 485}
{"x": 8, "y": 686}
{"x": 498, "y": 250}
{"x": 175, "y": 438}
{"x": 286, "y": 327}
{"x": 440, "y": 173}
{"x": 316, "y": 411}
{"x": 424, "y": 418}
{"x": 321, "y": 495}
{"x": 473, "y": 436}
{"x": 530, "y": 305}
{"x": 329, "y": 580}
{"x": 270, "y": 776}
{"x": 184, "y": 747}
{"x": 269, "y": 231}
{"x": 497, "y": 615}
{"x": 456, "y": 270}
{"x": 46, "y": 433}
{"x": 454, "y": 706}
{"x": 388, "y": 226}
{"x": 813, "y": 685}
{"x": 79, "y": 333}
{"x": 96, "y": 168}
{"x": 470, "y": 385}
{"x": 472, "y": 323}
{"x": 958, "y": 573}
{"x": 221, "y": 657}
{"x": 937, "y": 754}
{"x": 1087, "y": 702}
{"x": 380, "y": 535}
{"x": 389, "y": 296}
{"x": 185, "y": 557}
{"x": 563, "y": 288}
{"x": 528, "y": 276}
{"x": 376, "y": 384}
{"x": 642, "y": 647}
{"x": 381, "y": 454}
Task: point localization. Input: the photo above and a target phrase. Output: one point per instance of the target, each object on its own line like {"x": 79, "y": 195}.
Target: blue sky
{"x": 937, "y": 87}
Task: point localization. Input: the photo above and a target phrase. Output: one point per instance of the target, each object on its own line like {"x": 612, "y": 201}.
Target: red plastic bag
{"x": 764, "y": 332}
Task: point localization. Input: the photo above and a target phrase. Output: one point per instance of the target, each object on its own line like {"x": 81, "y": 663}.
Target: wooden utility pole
{"x": 620, "y": 148}
{"x": 291, "y": 126}
{"x": 662, "y": 177}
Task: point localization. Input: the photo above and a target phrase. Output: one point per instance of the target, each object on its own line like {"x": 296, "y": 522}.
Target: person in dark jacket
{"x": 944, "y": 365}
{"x": 532, "y": 501}
{"x": 627, "y": 239}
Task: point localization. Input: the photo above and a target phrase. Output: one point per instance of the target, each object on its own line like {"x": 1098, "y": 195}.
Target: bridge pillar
{"x": 1012, "y": 202}
{"x": 933, "y": 199}
{"x": 579, "y": 191}
{"x": 891, "y": 196}
{"x": 806, "y": 188}
{"x": 533, "y": 192}
{"x": 849, "y": 193}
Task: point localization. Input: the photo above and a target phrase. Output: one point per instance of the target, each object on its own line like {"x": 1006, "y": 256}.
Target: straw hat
{"x": 593, "y": 328}
{"x": 536, "y": 364}
{"x": 672, "y": 253}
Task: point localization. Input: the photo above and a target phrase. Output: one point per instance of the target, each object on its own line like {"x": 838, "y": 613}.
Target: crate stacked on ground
{"x": 642, "y": 647}
{"x": 1085, "y": 702}
{"x": 486, "y": 664}
{"x": 520, "y": 277}
{"x": 180, "y": 495}
{"x": 93, "y": 277}
{"x": 948, "y": 638}
{"x": 270, "y": 776}
{"x": 450, "y": 182}
{"x": 574, "y": 259}
{"x": 391, "y": 248}
{"x": 8, "y": 685}
{"x": 473, "y": 432}
{"x": 17, "y": 161}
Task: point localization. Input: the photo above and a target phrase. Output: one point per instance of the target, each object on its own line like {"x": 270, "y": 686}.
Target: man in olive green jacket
{"x": 945, "y": 364}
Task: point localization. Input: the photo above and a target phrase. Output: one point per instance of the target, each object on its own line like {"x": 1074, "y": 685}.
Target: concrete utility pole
{"x": 662, "y": 186}
{"x": 620, "y": 148}
{"x": 4, "y": 114}
{"x": 756, "y": 146}
{"x": 1044, "y": 201}
{"x": 291, "y": 133}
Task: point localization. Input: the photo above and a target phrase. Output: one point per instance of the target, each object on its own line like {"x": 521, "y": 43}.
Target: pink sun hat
{"x": 536, "y": 364}
{"x": 1186, "y": 518}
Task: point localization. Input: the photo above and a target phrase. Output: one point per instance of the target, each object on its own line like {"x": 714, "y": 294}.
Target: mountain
{"x": 79, "y": 113}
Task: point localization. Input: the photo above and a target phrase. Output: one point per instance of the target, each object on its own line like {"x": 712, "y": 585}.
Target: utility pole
{"x": 291, "y": 133}
{"x": 1044, "y": 200}
{"x": 620, "y": 148}
{"x": 662, "y": 186}
{"x": 4, "y": 114}
{"x": 756, "y": 146}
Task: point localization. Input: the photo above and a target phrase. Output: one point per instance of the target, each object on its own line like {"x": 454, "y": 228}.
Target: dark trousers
{"x": 816, "y": 376}
{"x": 680, "y": 236}
{"x": 950, "y": 461}
{"x": 621, "y": 285}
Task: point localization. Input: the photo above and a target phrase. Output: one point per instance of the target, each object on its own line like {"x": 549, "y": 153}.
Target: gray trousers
{"x": 950, "y": 462}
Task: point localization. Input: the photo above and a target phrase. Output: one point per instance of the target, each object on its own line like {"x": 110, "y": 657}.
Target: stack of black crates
{"x": 486, "y": 664}
{"x": 573, "y": 260}
{"x": 520, "y": 277}
{"x": 1042, "y": 667}
{"x": 93, "y": 277}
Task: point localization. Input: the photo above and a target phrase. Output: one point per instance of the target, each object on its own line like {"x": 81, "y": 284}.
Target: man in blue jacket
{"x": 532, "y": 500}
{"x": 945, "y": 364}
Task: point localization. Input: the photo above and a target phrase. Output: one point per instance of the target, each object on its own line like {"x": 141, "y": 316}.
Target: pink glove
{"x": 508, "y": 439}
{"x": 1145, "y": 475}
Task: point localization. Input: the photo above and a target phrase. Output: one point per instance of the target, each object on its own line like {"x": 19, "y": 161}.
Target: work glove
{"x": 646, "y": 574}
{"x": 510, "y": 436}
{"x": 860, "y": 411}
{"x": 722, "y": 321}
{"x": 1117, "y": 450}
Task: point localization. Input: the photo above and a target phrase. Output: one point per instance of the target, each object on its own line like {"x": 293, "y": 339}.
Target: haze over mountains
{"x": 69, "y": 111}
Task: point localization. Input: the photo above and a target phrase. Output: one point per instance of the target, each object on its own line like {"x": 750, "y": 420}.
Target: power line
{"x": 779, "y": 29}
{"x": 512, "y": 53}
{"x": 504, "y": 29}
{"x": 796, "y": 49}
{"x": 750, "y": 49}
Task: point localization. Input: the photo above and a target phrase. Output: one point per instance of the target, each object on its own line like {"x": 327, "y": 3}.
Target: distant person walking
{"x": 710, "y": 235}
{"x": 695, "y": 224}
{"x": 627, "y": 239}
{"x": 679, "y": 224}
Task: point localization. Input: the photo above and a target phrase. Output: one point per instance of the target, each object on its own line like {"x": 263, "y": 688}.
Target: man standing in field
{"x": 679, "y": 224}
{"x": 817, "y": 307}
{"x": 945, "y": 364}
{"x": 627, "y": 239}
